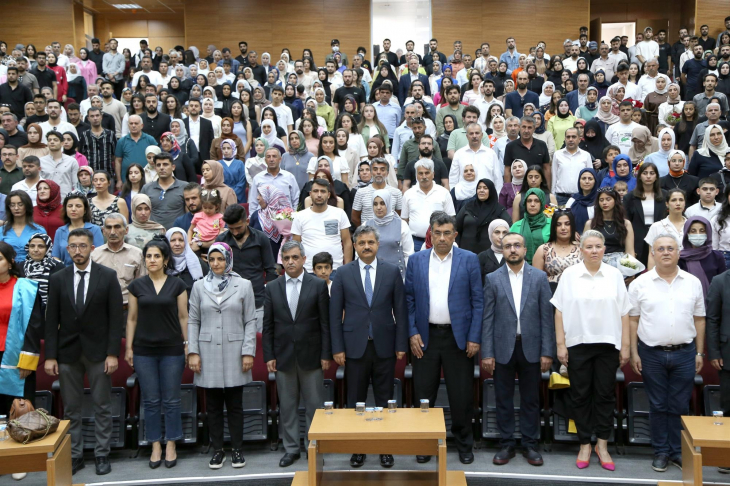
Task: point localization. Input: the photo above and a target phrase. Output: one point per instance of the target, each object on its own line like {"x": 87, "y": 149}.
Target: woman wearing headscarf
{"x": 216, "y": 152}
{"x": 511, "y": 189}
{"x": 601, "y": 83}
{"x": 622, "y": 171}
{"x": 605, "y": 115}
{"x": 35, "y": 146}
{"x": 297, "y": 159}
{"x": 582, "y": 202}
{"x": 222, "y": 305}
{"x": 562, "y": 120}
{"x": 653, "y": 100}
{"x": 234, "y": 170}
{"x": 185, "y": 264}
{"x": 71, "y": 146}
{"x": 187, "y": 145}
{"x": 443, "y": 139}
{"x": 385, "y": 71}
{"x": 39, "y": 263}
{"x": 184, "y": 168}
{"x": 323, "y": 109}
{"x": 492, "y": 258}
{"x": 547, "y": 90}
{"x": 142, "y": 229}
{"x": 87, "y": 66}
{"x": 474, "y": 218}
{"x": 435, "y": 77}
{"x": 710, "y": 157}
{"x": 396, "y": 242}
{"x": 590, "y": 108}
{"x": 535, "y": 225}
{"x": 76, "y": 83}
{"x": 271, "y": 137}
{"x": 214, "y": 179}
{"x": 593, "y": 141}
{"x": 665, "y": 146}
{"x": 256, "y": 163}
{"x": 177, "y": 90}
{"x": 47, "y": 211}
{"x": 542, "y": 134}
{"x": 673, "y": 104}
{"x": 466, "y": 187}
{"x": 271, "y": 200}
{"x": 678, "y": 178}
{"x": 697, "y": 256}
{"x": 642, "y": 144}
{"x": 150, "y": 172}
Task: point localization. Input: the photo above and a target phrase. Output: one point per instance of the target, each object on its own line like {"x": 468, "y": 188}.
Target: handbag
{"x": 20, "y": 407}
{"x": 32, "y": 426}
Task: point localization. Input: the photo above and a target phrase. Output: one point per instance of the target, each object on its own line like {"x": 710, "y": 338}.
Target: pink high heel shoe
{"x": 609, "y": 466}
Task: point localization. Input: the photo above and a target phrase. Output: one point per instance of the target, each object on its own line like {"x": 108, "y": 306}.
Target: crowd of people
{"x": 446, "y": 209}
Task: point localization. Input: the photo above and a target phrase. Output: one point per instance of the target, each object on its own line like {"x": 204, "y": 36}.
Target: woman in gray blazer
{"x": 222, "y": 335}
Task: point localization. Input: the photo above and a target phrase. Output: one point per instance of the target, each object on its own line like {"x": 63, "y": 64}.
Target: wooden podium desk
{"x": 703, "y": 444}
{"x": 52, "y": 454}
{"x": 405, "y": 432}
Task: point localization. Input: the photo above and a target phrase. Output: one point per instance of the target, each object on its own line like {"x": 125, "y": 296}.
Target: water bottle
{"x": 3, "y": 427}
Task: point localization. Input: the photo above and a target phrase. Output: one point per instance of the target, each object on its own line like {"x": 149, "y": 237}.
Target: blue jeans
{"x": 562, "y": 200}
{"x": 418, "y": 243}
{"x": 159, "y": 379}
{"x": 668, "y": 381}
{"x": 726, "y": 254}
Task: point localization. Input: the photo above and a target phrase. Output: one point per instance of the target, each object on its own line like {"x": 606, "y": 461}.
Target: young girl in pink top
{"x": 208, "y": 223}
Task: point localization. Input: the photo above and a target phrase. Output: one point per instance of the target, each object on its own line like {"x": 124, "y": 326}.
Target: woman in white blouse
{"x": 592, "y": 334}
{"x": 645, "y": 206}
{"x": 338, "y": 166}
{"x": 721, "y": 228}
{"x": 672, "y": 224}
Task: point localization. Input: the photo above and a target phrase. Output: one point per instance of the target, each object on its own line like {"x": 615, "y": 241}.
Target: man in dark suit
{"x": 204, "y": 131}
{"x": 518, "y": 337}
{"x": 83, "y": 337}
{"x": 296, "y": 342}
{"x": 404, "y": 84}
{"x": 445, "y": 304}
{"x": 374, "y": 331}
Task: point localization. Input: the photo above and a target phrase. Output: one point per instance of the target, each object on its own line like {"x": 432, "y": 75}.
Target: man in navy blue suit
{"x": 445, "y": 304}
{"x": 404, "y": 84}
{"x": 374, "y": 330}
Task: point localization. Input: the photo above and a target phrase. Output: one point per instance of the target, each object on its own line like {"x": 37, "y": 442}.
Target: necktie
{"x": 293, "y": 298}
{"x": 369, "y": 296}
{"x": 80, "y": 292}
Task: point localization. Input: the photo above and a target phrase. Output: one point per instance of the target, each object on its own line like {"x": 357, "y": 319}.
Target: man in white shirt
{"x": 283, "y": 113}
{"x": 707, "y": 207}
{"x": 32, "y": 172}
{"x": 323, "y": 228}
{"x": 616, "y": 52}
{"x": 92, "y": 90}
{"x": 54, "y": 123}
{"x": 59, "y": 167}
{"x": 567, "y": 164}
{"x": 420, "y": 201}
{"x": 619, "y": 134}
{"x": 165, "y": 75}
{"x": 667, "y": 322}
{"x": 154, "y": 76}
{"x": 485, "y": 102}
{"x": 605, "y": 62}
{"x": 647, "y": 49}
{"x": 512, "y": 127}
{"x": 631, "y": 89}
{"x": 362, "y": 205}
{"x": 647, "y": 83}
{"x": 483, "y": 159}
{"x": 571, "y": 63}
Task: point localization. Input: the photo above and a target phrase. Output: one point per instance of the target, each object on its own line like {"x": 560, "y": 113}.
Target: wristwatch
{"x": 701, "y": 354}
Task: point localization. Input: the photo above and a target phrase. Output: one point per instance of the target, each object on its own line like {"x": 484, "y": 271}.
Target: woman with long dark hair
{"x": 76, "y": 214}
{"x": 105, "y": 202}
{"x": 534, "y": 178}
{"x": 685, "y": 127}
{"x": 644, "y": 206}
{"x": 609, "y": 219}
{"x": 19, "y": 225}
{"x": 561, "y": 250}
{"x": 134, "y": 181}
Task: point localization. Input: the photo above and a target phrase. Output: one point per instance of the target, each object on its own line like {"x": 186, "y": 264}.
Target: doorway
{"x": 619, "y": 29}
{"x": 400, "y": 21}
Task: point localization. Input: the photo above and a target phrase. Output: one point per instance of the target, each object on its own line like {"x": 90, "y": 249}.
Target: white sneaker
{"x": 19, "y": 476}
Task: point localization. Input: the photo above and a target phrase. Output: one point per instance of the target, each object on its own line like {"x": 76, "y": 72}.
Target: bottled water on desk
{"x": 4, "y": 428}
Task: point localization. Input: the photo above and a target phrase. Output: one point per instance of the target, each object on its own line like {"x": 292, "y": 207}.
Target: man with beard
{"x": 32, "y": 173}
{"x": 15, "y": 94}
{"x": 259, "y": 72}
{"x": 417, "y": 95}
{"x": 243, "y": 58}
{"x": 516, "y": 100}
{"x": 302, "y": 78}
{"x": 166, "y": 193}
{"x": 511, "y": 56}
{"x": 526, "y": 148}
{"x": 191, "y": 193}
{"x": 410, "y": 150}
{"x": 155, "y": 123}
{"x": 98, "y": 144}
{"x": 348, "y": 88}
{"x": 455, "y": 108}
{"x": 96, "y": 55}
{"x": 113, "y": 107}
{"x": 114, "y": 67}
{"x": 153, "y": 76}
{"x": 616, "y": 52}
{"x": 707, "y": 42}
{"x": 458, "y": 139}
{"x": 275, "y": 176}
{"x": 25, "y": 77}
{"x": 54, "y": 123}
{"x": 426, "y": 152}
{"x": 410, "y": 77}
{"x": 571, "y": 62}
{"x": 410, "y": 45}
{"x": 433, "y": 46}
{"x": 45, "y": 75}
{"x": 333, "y": 76}
{"x": 392, "y": 56}
{"x": 74, "y": 118}
{"x": 691, "y": 73}
{"x": 362, "y": 207}
{"x": 678, "y": 49}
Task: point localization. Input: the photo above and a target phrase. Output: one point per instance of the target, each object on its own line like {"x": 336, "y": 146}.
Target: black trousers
{"x": 592, "y": 369}
{"x": 6, "y": 401}
{"x": 360, "y": 371}
{"x": 458, "y": 371}
{"x": 504, "y": 386}
{"x": 233, "y": 399}
{"x": 724, "y": 392}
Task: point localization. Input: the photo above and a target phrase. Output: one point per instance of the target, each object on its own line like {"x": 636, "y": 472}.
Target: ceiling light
{"x": 126, "y": 6}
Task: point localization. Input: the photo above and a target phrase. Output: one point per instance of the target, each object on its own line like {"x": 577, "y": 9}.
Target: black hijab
{"x": 74, "y": 147}
{"x": 486, "y": 211}
{"x": 456, "y": 125}
{"x": 179, "y": 93}
{"x": 390, "y": 77}
{"x": 596, "y": 144}
{"x": 325, "y": 83}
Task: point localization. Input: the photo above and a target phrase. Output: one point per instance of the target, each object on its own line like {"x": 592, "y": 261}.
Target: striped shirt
{"x": 99, "y": 150}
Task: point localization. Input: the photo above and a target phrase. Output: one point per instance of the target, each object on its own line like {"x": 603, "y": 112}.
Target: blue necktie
{"x": 369, "y": 295}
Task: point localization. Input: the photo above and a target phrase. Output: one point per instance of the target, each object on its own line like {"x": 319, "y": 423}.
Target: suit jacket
{"x": 388, "y": 312}
{"x": 204, "y": 141}
{"x": 572, "y": 98}
{"x": 466, "y": 299}
{"x": 718, "y": 319}
{"x": 404, "y": 85}
{"x": 302, "y": 340}
{"x": 499, "y": 325}
{"x": 635, "y": 214}
{"x": 95, "y": 332}
{"x": 488, "y": 262}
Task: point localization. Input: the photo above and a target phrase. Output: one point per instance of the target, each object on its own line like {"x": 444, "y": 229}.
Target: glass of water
{"x": 359, "y": 408}
{"x": 370, "y": 414}
{"x": 717, "y": 416}
{"x": 424, "y": 405}
{"x": 328, "y": 408}
{"x": 378, "y": 413}
{"x": 392, "y": 406}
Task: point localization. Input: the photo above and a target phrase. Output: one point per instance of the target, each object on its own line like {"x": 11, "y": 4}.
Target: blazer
{"x": 635, "y": 214}
{"x": 302, "y": 340}
{"x": 95, "y": 332}
{"x": 718, "y": 319}
{"x": 205, "y": 140}
{"x": 489, "y": 263}
{"x": 222, "y": 332}
{"x": 572, "y": 98}
{"x": 404, "y": 85}
{"x": 466, "y": 298}
{"x": 499, "y": 324}
{"x": 388, "y": 312}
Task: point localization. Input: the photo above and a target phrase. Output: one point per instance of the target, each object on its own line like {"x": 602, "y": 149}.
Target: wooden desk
{"x": 703, "y": 443}
{"x": 52, "y": 454}
{"x": 406, "y": 432}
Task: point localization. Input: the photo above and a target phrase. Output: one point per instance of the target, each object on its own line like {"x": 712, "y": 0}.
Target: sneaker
{"x": 723, "y": 470}
{"x": 676, "y": 461}
{"x": 216, "y": 462}
{"x": 660, "y": 463}
{"x": 237, "y": 459}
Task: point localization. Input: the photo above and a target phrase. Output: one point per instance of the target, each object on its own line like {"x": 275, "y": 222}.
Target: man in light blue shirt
{"x": 511, "y": 56}
{"x": 388, "y": 114}
{"x": 113, "y": 64}
{"x": 275, "y": 176}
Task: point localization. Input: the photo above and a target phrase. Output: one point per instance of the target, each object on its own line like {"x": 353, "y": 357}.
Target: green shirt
{"x": 458, "y": 139}
{"x": 7, "y": 179}
{"x": 409, "y": 152}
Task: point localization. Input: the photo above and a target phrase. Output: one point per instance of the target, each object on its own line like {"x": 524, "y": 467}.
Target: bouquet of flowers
{"x": 625, "y": 263}
{"x": 283, "y": 219}
{"x": 550, "y": 210}
{"x": 673, "y": 118}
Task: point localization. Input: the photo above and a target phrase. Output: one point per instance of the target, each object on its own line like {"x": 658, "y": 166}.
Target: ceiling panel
{"x": 146, "y": 6}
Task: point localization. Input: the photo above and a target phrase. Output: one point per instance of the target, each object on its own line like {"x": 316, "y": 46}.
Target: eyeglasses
{"x": 74, "y": 247}
{"x": 418, "y": 119}
{"x": 515, "y": 246}
{"x": 162, "y": 194}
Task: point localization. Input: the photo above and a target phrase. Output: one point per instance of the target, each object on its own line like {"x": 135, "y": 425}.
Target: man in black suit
{"x": 296, "y": 342}
{"x": 204, "y": 130}
{"x": 370, "y": 292}
{"x": 83, "y": 336}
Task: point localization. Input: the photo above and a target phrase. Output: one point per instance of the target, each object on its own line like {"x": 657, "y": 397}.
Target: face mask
{"x": 335, "y": 48}
{"x": 697, "y": 240}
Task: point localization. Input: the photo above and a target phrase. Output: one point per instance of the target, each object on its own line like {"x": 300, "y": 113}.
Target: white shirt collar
{"x": 87, "y": 269}
{"x": 438, "y": 259}
{"x": 521, "y": 272}
{"x": 584, "y": 270}
{"x": 373, "y": 265}
{"x": 300, "y": 277}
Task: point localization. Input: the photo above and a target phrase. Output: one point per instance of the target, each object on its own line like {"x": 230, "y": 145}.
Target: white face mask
{"x": 697, "y": 240}
{"x": 335, "y": 48}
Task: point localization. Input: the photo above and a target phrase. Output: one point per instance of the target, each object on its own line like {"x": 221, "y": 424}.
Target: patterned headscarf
{"x": 40, "y": 271}
{"x": 188, "y": 259}
{"x": 170, "y": 137}
{"x": 232, "y": 144}
{"x": 275, "y": 200}
{"x": 217, "y": 284}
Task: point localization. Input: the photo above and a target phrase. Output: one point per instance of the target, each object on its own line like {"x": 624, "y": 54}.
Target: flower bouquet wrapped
{"x": 673, "y": 118}
{"x": 283, "y": 220}
{"x": 626, "y": 264}
{"x": 550, "y": 210}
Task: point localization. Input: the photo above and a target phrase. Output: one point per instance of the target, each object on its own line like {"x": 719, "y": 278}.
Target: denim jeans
{"x": 668, "y": 381}
{"x": 159, "y": 379}
{"x": 418, "y": 243}
{"x": 562, "y": 200}
{"x": 726, "y": 254}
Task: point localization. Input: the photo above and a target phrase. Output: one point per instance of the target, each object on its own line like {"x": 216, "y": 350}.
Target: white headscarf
{"x": 271, "y": 138}
{"x": 707, "y": 147}
{"x": 188, "y": 259}
{"x": 545, "y": 99}
{"x": 466, "y": 189}
{"x": 386, "y": 196}
{"x": 669, "y": 132}
{"x": 515, "y": 181}
{"x": 71, "y": 76}
{"x": 666, "y": 86}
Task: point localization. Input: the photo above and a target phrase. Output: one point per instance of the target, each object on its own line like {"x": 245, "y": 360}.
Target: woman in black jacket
{"x": 493, "y": 258}
{"x": 473, "y": 220}
{"x": 646, "y": 196}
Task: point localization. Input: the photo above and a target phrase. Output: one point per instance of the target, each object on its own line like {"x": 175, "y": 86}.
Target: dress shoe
{"x": 288, "y": 459}
{"x": 103, "y": 466}
{"x": 386, "y": 460}
{"x": 723, "y": 470}
{"x": 533, "y": 457}
{"x": 466, "y": 457}
{"x": 77, "y": 465}
{"x": 422, "y": 459}
{"x": 504, "y": 455}
{"x": 677, "y": 461}
{"x": 155, "y": 464}
{"x": 357, "y": 460}
{"x": 170, "y": 464}
{"x": 660, "y": 463}
{"x": 608, "y": 466}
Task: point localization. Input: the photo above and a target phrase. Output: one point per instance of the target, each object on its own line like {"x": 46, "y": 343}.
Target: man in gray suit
{"x": 296, "y": 342}
{"x": 518, "y": 338}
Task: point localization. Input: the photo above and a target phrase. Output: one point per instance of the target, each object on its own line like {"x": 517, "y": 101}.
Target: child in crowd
{"x": 322, "y": 266}
{"x": 208, "y": 223}
{"x": 622, "y": 188}
{"x": 707, "y": 207}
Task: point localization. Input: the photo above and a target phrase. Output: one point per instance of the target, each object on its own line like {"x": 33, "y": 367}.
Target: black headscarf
{"x": 593, "y": 145}
{"x": 390, "y": 77}
{"x": 326, "y": 83}
{"x": 456, "y": 124}
{"x": 180, "y": 93}
{"x": 74, "y": 147}
{"x": 488, "y": 210}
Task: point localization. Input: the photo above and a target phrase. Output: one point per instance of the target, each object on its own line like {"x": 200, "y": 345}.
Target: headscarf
{"x": 361, "y": 183}
{"x": 271, "y": 138}
{"x": 581, "y": 202}
{"x": 275, "y": 201}
{"x": 532, "y": 225}
{"x": 387, "y": 198}
{"x": 266, "y": 147}
{"x": 607, "y": 117}
{"x": 671, "y": 154}
{"x": 650, "y": 143}
{"x": 669, "y": 132}
{"x": 464, "y": 189}
{"x": 485, "y": 210}
{"x": 54, "y": 198}
{"x": 324, "y": 100}
{"x": 152, "y": 149}
{"x": 302, "y": 143}
{"x": 495, "y": 133}
{"x": 497, "y": 250}
{"x": 707, "y": 147}
{"x": 456, "y": 124}
{"x": 188, "y": 259}
{"x": 593, "y": 145}
{"x": 557, "y": 109}
{"x": 72, "y": 151}
{"x": 232, "y": 144}
{"x": 666, "y": 85}
{"x": 515, "y": 181}
{"x": 40, "y": 271}
{"x": 149, "y": 225}
{"x": 79, "y": 187}
{"x": 170, "y": 137}
{"x": 591, "y": 106}
{"x": 694, "y": 256}
{"x": 218, "y": 180}
{"x": 71, "y": 76}
{"x": 216, "y": 284}
{"x": 605, "y": 84}
{"x": 182, "y": 139}
{"x": 678, "y": 99}
{"x": 264, "y": 101}
{"x": 613, "y": 176}
{"x": 540, "y": 129}
{"x": 39, "y": 143}
{"x": 228, "y": 136}
{"x": 545, "y": 99}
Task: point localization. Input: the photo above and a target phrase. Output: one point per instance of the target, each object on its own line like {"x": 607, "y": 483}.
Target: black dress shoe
{"x": 386, "y": 460}
{"x": 77, "y": 464}
{"x": 504, "y": 455}
{"x": 170, "y": 464}
{"x": 155, "y": 464}
{"x": 288, "y": 459}
{"x": 660, "y": 463}
{"x": 357, "y": 460}
{"x": 466, "y": 457}
{"x": 533, "y": 457}
{"x": 422, "y": 459}
{"x": 103, "y": 466}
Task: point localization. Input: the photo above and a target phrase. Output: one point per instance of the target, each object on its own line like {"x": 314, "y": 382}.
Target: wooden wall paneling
{"x": 79, "y": 39}
{"x": 633, "y": 11}
{"x": 349, "y": 22}
{"x": 561, "y": 19}
{"x": 448, "y": 25}
{"x": 687, "y": 17}
{"x": 128, "y": 27}
{"x": 38, "y": 22}
{"x": 308, "y": 34}
{"x": 200, "y": 28}
{"x": 173, "y": 27}
{"x": 166, "y": 43}
{"x": 712, "y": 13}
